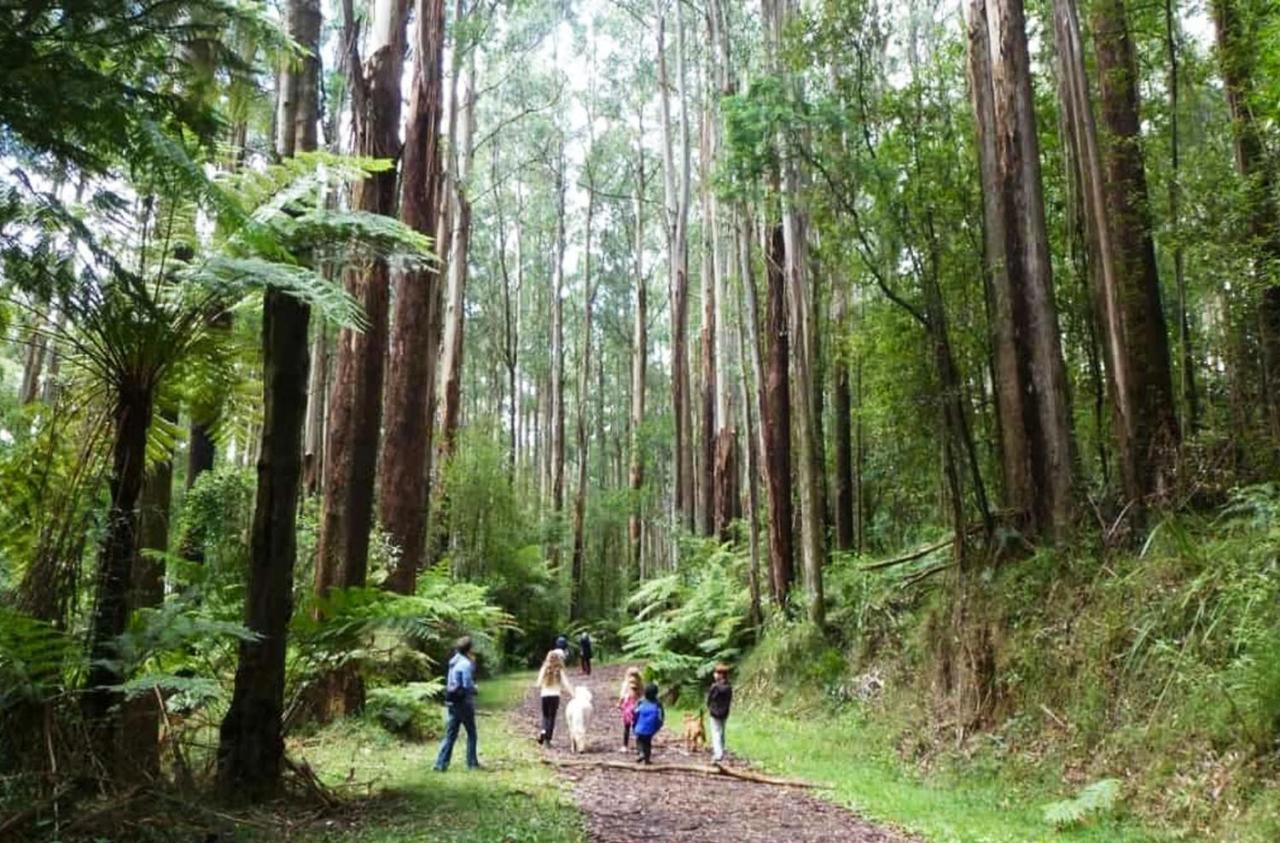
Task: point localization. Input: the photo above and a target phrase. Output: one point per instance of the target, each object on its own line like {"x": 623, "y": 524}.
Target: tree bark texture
{"x": 776, "y": 419}
{"x": 578, "y": 565}
{"x": 639, "y": 367}
{"x": 556, "y": 427}
{"x": 355, "y": 400}
{"x": 1037, "y": 448}
{"x": 1238, "y": 52}
{"x": 405, "y": 474}
{"x": 1142, "y": 378}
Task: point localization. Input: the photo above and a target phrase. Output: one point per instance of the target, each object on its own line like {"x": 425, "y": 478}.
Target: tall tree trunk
{"x": 677, "y": 236}
{"x": 1037, "y": 448}
{"x": 753, "y": 441}
{"x": 33, "y": 362}
{"x": 1187, "y": 369}
{"x": 355, "y": 401}
{"x": 1238, "y": 51}
{"x": 461, "y": 239}
{"x": 708, "y": 524}
{"x": 639, "y": 364}
{"x": 1142, "y": 376}
{"x": 775, "y": 417}
{"x": 584, "y": 380}
{"x": 804, "y": 354}
{"x": 317, "y": 394}
{"x": 404, "y": 479}
{"x": 726, "y": 475}
{"x": 1121, "y": 248}
{"x": 251, "y": 739}
{"x": 556, "y": 427}
{"x": 843, "y": 399}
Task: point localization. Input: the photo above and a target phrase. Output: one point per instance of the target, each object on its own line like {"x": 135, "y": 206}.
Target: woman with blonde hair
{"x": 551, "y": 682}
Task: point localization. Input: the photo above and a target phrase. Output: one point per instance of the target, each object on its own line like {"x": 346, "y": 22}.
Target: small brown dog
{"x": 695, "y": 732}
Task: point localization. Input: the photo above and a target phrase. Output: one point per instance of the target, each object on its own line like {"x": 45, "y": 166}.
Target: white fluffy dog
{"x": 578, "y": 715}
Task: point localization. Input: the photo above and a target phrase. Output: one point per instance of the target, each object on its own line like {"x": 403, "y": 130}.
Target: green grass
{"x": 855, "y": 756}
{"x": 514, "y": 799}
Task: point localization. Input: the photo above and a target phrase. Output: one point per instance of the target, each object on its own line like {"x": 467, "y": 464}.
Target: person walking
{"x": 649, "y": 717}
{"x": 719, "y": 697}
{"x": 460, "y": 703}
{"x": 584, "y": 652}
{"x": 629, "y": 697}
{"x": 552, "y": 681}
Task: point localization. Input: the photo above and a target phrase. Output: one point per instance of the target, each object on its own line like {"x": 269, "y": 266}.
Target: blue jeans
{"x": 462, "y": 714}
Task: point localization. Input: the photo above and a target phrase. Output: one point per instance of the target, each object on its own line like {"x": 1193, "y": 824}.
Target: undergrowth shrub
{"x": 793, "y": 664}
{"x": 692, "y": 617}
{"x": 497, "y": 543}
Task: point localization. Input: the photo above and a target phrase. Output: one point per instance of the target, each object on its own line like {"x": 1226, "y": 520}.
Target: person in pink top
{"x": 628, "y": 698}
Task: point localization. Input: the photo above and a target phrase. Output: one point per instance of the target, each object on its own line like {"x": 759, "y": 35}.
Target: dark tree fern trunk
{"x": 115, "y": 567}
{"x": 251, "y": 739}
{"x": 141, "y": 737}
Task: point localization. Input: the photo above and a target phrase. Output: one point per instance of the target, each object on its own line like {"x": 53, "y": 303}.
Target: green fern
{"x": 1092, "y": 802}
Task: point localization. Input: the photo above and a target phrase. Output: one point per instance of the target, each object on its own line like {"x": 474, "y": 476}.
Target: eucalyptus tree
{"x": 415, "y": 337}
{"x": 355, "y": 399}
{"x": 1037, "y": 447}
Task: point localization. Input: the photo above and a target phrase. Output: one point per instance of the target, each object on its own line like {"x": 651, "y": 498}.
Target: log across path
{"x": 684, "y": 797}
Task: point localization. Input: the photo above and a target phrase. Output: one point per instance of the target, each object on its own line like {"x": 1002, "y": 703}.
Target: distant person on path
{"x": 719, "y": 698}
{"x": 552, "y": 681}
{"x": 460, "y": 702}
{"x": 649, "y": 717}
{"x": 584, "y": 652}
{"x": 562, "y": 644}
{"x": 628, "y": 698}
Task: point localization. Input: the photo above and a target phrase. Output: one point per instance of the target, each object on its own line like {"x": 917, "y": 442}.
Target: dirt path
{"x": 622, "y": 807}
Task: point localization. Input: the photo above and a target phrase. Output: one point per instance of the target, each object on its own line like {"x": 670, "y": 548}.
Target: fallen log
{"x": 910, "y": 557}
{"x": 919, "y": 553}
{"x": 701, "y": 769}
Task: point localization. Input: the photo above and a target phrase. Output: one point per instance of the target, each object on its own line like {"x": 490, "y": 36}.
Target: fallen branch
{"x": 701, "y": 769}
{"x": 302, "y": 770}
{"x": 910, "y": 557}
{"x": 926, "y": 573}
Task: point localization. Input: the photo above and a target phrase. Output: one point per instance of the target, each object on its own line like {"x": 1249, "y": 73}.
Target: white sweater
{"x": 553, "y": 689}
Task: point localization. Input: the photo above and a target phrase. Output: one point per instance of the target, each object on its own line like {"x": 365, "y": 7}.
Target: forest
{"x": 919, "y": 361}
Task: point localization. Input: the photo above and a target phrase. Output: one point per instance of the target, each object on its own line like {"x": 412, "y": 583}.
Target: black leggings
{"x": 550, "y": 705}
{"x": 645, "y": 742}
{"x": 586, "y": 665}
{"x": 626, "y": 735}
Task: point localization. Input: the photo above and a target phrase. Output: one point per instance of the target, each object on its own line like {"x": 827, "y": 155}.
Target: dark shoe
{"x": 441, "y": 769}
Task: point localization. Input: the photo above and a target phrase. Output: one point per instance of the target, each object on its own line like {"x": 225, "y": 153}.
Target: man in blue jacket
{"x": 460, "y": 701}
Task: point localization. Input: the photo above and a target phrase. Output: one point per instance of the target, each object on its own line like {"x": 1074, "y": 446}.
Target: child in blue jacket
{"x": 649, "y": 717}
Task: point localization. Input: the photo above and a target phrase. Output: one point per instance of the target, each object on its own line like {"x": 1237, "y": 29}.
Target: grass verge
{"x": 856, "y": 757}
{"x": 514, "y": 799}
